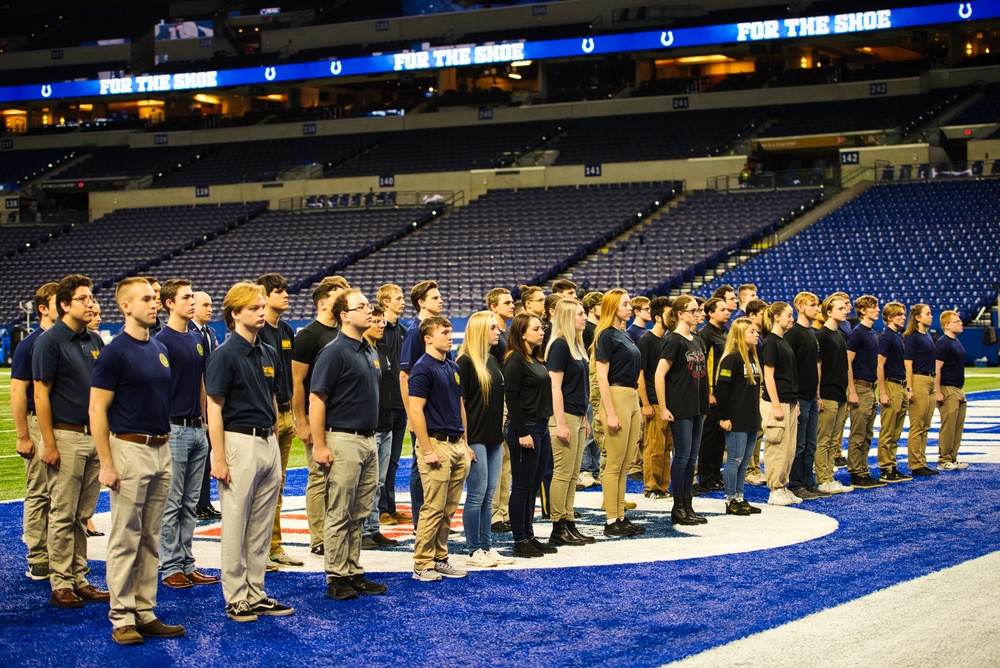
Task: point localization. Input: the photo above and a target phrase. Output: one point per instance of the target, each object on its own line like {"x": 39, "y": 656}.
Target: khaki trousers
{"x": 351, "y": 481}
{"x": 754, "y": 466}
{"x": 36, "y": 501}
{"x": 501, "y": 500}
{"x": 315, "y": 497}
{"x": 829, "y": 438}
{"x": 248, "y": 504}
{"x": 862, "y": 429}
{"x": 891, "y": 425}
{"x": 442, "y": 493}
{"x": 779, "y": 452}
{"x": 658, "y": 444}
{"x": 921, "y": 411}
{"x": 620, "y": 446}
{"x": 73, "y": 492}
{"x": 286, "y": 433}
{"x": 566, "y": 459}
{"x": 952, "y": 422}
{"x": 134, "y": 538}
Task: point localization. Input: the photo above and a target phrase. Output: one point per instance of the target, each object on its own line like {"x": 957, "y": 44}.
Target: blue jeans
{"x": 801, "y": 474}
{"x": 416, "y": 487}
{"x": 383, "y": 445}
{"x": 484, "y": 473}
{"x": 526, "y": 468}
{"x": 189, "y": 450}
{"x": 739, "y": 448}
{"x": 687, "y": 439}
{"x": 591, "y": 453}
{"x": 387, "y": 500}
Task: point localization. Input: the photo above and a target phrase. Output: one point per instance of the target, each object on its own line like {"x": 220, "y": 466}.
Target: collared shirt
{"x": 890, "y": 346}
{"x": 66, "y": 358}
{"x": 413, "y": 347}
{"x": 209, "y": 338}
{"x": 392, "y": 338}
{"x": 20, "y": 366}
{"x": 919, "y": 348}
{"x": 138, "y": 372}
{"x": 280, "y": 338}
{"x": 952, "y": 353}
{"x": 440, "y": 383}
{"x": 864, "y": 344}
{"x": 244, "y": 374}
{"x": 347, "y": 372}
{"x": 187, "y": 355}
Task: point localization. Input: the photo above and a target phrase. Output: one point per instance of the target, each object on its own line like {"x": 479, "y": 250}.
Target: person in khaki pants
{"x": 130, "y": 418}
{"x": 892, "y": 391}
{"x": 918, "y": 357}
{"x": 779, "y": 406}
{"x": 832, "y": 394}
{"x": 862, "y": 373}
{"x": 949, "y": 355}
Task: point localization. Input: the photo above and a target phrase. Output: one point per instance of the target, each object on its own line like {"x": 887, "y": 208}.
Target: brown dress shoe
{"x": 402, "y": 518}
{"x": 157, "y": 629}
{"x": 196, "y": 578}
{"x": 65, "y": 598}
{"x": 177, "y": 581}
{"x": 92, "y": 594}
{"x": 126, "y": 635}
{"x": 385, "y": 519}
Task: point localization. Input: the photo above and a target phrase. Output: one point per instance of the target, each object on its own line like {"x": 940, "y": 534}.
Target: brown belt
{"x": 864, "y": 383}
{"x": 78, "y": 428}
{"x": 144, "y": 439}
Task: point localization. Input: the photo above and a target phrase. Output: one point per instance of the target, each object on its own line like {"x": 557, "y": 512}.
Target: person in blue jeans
{"x": 482, "y": 393}
{"x": 804, "y": 343}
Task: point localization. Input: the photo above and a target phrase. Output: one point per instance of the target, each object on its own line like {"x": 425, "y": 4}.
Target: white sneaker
{"x": 501, "y": 559}
{"x": 830, "y": 488}
{"x": 446, "y": 570}
{"x": 778, "y": 497}
{"x": 844, "y": 489}
{"x": 481, "y": 559}
{"x": 586, "y": 478}
{"x": 796, "y": 500}
{"x": 948, "y": 466}
{"x": 961, "y": 465}
{"x": 426, "y": 575}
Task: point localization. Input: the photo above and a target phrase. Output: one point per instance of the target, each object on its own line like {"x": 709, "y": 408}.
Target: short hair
{"x": 713, "y": 304}
{"x": 755, "y": 306}
{"x": 562, "y": 285}
{"x": 43, "y": 295}
{"x": 720, "y": 292}
{"x": 550, "y": 303}
{"x": 804, "y": 298}
{"x": 745, "y": 288}
{"x": 65, "y": 288}
{"x": 377, "y": 310}
{"x": 326, "y": 286}
{"x": 946, "y": 317}
{"x": 340, "y": 303}
{"x": 385, "y": 293}
{"x": 527, "y": 291}
{"x": 429, "y": 325}
{"x": 270, "y": 282}
{"x": 125, "y": 285}
{"x": 151, "y": 280}
{"x": 591, "y": 299}
{"x": 639, "y": 302}
{"x": 865, "y": 302}
{"x": 657, "y": 305}
{"x": 169, "y": 289}
{"x": 827, "y": 306}
{"x": 419, "y": 291}
{"x": 241, "y": 295}
{"x": 842, "y": 295}
{"x": 494, "y": 295}
{"x": 891, "y": 310}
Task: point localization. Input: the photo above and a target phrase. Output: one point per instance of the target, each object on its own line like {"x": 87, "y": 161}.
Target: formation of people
{"x": 545, "y": 396}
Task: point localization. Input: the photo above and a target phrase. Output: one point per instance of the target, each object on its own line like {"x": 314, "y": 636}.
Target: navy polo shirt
{"x": 138, "y": 372}
{"x": 187, "y": 355}
{"x": 635, "y": 332}
{"x": 864, "y": 344}
{"x": 347, "y": 372}
{"x": 919, "y": 349}
{"x": 576, "y": 377}
{"x": 20, "y": 366}
{"x": 439, "y": 382}
{"x": 890, "y": 346}
{"x": 393, "y": 340}
{"x": 244, "y": 374}
{"x": 280, "y": 338}
{"x": 952, "y": 353}
{"x": 624, "y": 361}
{"x": 67, "y": 360}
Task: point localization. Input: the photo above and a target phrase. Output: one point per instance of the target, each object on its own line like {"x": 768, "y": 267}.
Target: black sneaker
{"x": 270, "y": 607}
{"x": 658, "y": 495}
{"x": 635, "y": 476}
{"x": 698, "y": 490}
{"x": 363, "y": 585}
{"x": 754, "y": 510}
{"x": 636, "y": 528}
{"x": 500, "y": 527}
{"x": 923, "y": 471}
{"x": 39, "y": 571}
{"x": 618, "y": 529}
{"x": 890, "y": 475}
{"x": 542, "y": 547}
{"x": 734, "y": 507}
{"x": 526, "y": 550}
{"x": 716, "y": 486}
{"x": 840, "y": 462}
{"x": 865, "y": 482}
{"x": 240, "y": 612}
{"x": 319, "y": 550}
{"x": 340, "y": 589}
{"x": 902, "y": 476}
{"x": 383, "y": 540}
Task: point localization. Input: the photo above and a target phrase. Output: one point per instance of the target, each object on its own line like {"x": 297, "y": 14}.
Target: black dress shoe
{"x": 618, "y": 529}
{"x": 542, "y": 547}
{"x": 589, "y": 540}
{"x": 716, "y": 486}
{"x": 526, "y": 550}
{"x": 212, "y": 511}
{"x": 922, "y": 471}
{"x": 500, "y": 527}
{"x": 698, "y": 490}
{"x": 562, "y": 536}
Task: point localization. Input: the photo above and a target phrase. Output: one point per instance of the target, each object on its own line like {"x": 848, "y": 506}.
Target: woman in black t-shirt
{"x": 779, "y": 407}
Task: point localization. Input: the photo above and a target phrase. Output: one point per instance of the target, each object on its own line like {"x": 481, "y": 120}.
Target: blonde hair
{"x": 772, "y": 312}
{"x": 609, "y": 307}
{"x": 736, "y": 342}
{"x": 241, "y": 295}
{"x": 564, "y": 327}
{"x": 804, "y": 298}
{"x": 824, "y": 310}
{"x": 891, "y": 310}
{"x": 125, "y": 288}
{"x": 476, "y": 345}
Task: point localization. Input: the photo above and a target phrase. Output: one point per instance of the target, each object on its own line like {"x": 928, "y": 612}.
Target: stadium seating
{"x": 19, "y": 166}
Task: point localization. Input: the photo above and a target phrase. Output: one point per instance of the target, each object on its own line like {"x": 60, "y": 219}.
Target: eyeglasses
{"x": 693, "y": 312}
{"x": 361, "y": 307}
{"x": 88, "y": 299}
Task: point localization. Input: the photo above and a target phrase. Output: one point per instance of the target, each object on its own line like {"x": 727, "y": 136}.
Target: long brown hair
{"x": 912, "y": 326}
{"x": 515, "y": 339}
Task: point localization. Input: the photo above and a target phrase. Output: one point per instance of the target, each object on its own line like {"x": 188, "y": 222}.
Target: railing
{"x": 792, "y": 178}
{"x": 373, "y": 199}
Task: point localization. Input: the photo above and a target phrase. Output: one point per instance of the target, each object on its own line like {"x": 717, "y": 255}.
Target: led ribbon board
{"x": 485, "y": 54}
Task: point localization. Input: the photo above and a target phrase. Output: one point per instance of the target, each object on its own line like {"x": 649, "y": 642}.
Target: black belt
{"x": 187, "y": 422}
{"x": 439, "y": 436}
{"x": 285, "y": 407}
{"x": 947, "y": 385}
{"x": 144, "y": 439}
{"x": 896, "y": 381}
{"x": 249, "y": 431}
{"x": 356, "y": 432}
{"x": 634, "y": 386}
{"x": 932, "y": 374}
{"x": 864, "y": 383}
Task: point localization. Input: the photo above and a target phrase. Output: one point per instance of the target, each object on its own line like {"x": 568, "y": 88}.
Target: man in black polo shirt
{"x": 390, "y": 298}
{"x": 805, "y": 345}
{"x": 130, "y": 416}
{"x": 658, "y": 441}
{"x": 62, "y": 362}
{"x": 713, "y": 438}
{"x": 862, "y": 373}
{"x": 892, "y": 391}
{"x": 278, "y": 334}
{"x": 343, "y": 407}
{"x": 240, "y": 382}
{"x": 186, "y": 350}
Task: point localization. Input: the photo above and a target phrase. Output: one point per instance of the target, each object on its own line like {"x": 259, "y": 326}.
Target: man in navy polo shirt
{"x": 390, "y": 298}
{"x": 949, "y": 364}
{"x": 343, "y": 408}
{"x": 186, "y": 350}
{"x": 242, "y": 412}
{"x": 891, "y": 390}
{"x": 62, "y": 362}
{"x": 29, "y": 439}
{"x": 862, "y": 373}
{"x": 130, "y": 418}
{"x": 199, "y": 323}
{"x": 442, "y": 455}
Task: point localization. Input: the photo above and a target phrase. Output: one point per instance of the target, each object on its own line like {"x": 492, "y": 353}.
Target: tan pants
{"x": 921, "y": 411}
{"x": 862, "y": 430}
{"x": 501, "y": 499}
{"x": 658, "y": 444}
{"x": 620, "y": 446}
{"x": 248, "y": 504}
{"x": 566, "y": 458}
{"x": 315, "y": 497}
{"x": 754, "y": 466}
{"x": 134, "y": 538}
{"x": 73, "y": 492}
{"x": 829, "y": 439}
{"x": 952, "y": 422}
{"x": 36, "y": 500}
{"x": 891, "y": 425}
{"x": 442, "y": 493}
{"x": 286, "y": 433}
{"x": 351, "y": 482}
{"x": 780, "y": 453}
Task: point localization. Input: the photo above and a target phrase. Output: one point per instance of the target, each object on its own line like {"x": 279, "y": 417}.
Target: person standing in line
{"x": 658, "y": 441}
{"x": 130, "y": 419}
{"x": 862, "y": 370}
{"x": 755, "y": 311}
{"x": 199, "y": 323}
{"x": 832, "y": 394}
{"x": 727, "y": 294}
{"x": 745, "y": 294}
{"x": 713, "y": 439}
{"x": 390, "y": 299}
{"x": 242, "y": 415}
{"x": 846, "y": 327}
{"x": 564, "y": 287}
{"x": 641, "y": 317}
{"x": 500, "y": 303}
{"x": 533, "y": 300}
{"x": 919, "y": 360}
{"x": 550, "y": 309}
{"x": 737, "y": 393}
{"x": 590, "y": 467}
{"x": 35, "y": 522}
{"x": 482, "y": 394}
{"x": 779, "y": 406}
{"x": 949, "y": 356}
{"x": 891, "y": 374}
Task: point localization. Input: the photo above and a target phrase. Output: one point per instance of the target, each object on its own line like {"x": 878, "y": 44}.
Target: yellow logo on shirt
{"x": 163, "y": 360}
{"x": 376, "y": 364}
{"x": 286, "y": 344}
{"x": 725, "y": 373}
{"x": 458, "y": 379}
{"x": 201, "y": 351}
{"x": 269, "y": 372}
{"x": 95, "y": 353}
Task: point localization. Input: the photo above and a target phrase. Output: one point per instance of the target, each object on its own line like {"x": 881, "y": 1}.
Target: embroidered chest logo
{"x": 163, "y": 360}
{"x": 268, "y": 371}
{"x": 286, "y": 344}
{"x": 201, "y": 351}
